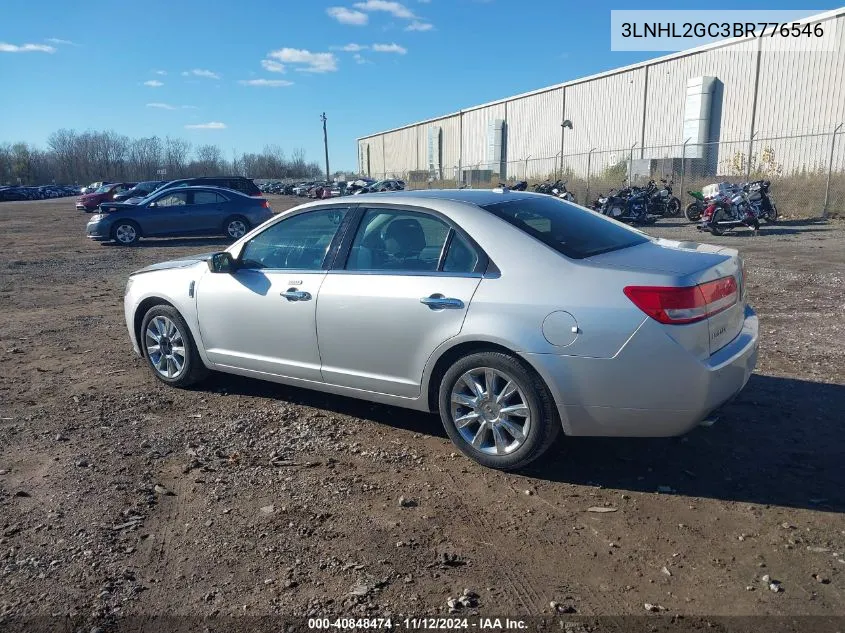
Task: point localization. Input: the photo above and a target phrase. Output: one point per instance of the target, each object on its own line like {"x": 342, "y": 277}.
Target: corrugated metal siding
{"x": 451, "y": 139}
{"x": 802, "y": 91}
{"x": 732, "y": 65}
{"x": 475, "y": 133}
{"x": 400, "y": 150}
{"x": 798, "y": 91}
{"x": 533, "y": 125}
{"x": 606, "y": 112}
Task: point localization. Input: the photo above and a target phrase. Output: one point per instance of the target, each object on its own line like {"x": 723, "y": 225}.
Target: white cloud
{"x": 395, "y": 9}
{"x": 308, "y": 62}
{"x": 272, "y": 66}
{"x": 360, "y": 59}
{"x": 350, "y": 48}
{"x": 189, "y": 107}
{"x": 160, "y": 72}
{"x": 266, "y": 83}
{"x": 161, "y": 106}
{"x": 348, "y": 16}
{"x": 419, "y": 26}
{"x": 26, "y": 48}
{"x": 389, "y": 48}
{"x": 199, "y": 72}
{"x": 153, "y": 83}
{"x": 211, "y": 125}
{"x": 56, "y": 40}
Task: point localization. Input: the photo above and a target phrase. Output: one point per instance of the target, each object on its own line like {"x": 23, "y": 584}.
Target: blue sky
{"x": 260, "y": 72}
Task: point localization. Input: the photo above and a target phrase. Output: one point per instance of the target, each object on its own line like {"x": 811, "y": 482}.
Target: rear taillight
{"x": 257, "y": 194}
{"x": 265, "y": 204}
{"x": 678, "y": 306}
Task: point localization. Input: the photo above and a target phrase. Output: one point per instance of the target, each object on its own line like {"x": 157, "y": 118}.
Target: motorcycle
{"x": 695, "y": 209}
{"x": 520, "y": 185}
{"x": 729, "y": 211}
{"x": 661, "y": 202}
{"x": 628, "y": 205}
{"x": 557, "y": 189}
{"x": 758, "y": 195}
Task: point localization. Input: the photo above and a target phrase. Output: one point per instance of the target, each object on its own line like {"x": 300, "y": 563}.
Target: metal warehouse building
{"x": 732, "y": 107}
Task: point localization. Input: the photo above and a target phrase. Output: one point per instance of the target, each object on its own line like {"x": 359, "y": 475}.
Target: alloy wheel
{"x": 490, "y": 411}
{"x": 236, "y": 229}
{"x": 165, "y": 347}
{"x": 126, "y": 234}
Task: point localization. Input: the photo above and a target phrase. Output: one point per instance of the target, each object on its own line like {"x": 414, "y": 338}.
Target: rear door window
{"x": 571, "y": 230}
{"x": 207, "y": 197}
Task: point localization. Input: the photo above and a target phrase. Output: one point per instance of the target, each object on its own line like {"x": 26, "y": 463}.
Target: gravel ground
{"x": 121, "y": 497}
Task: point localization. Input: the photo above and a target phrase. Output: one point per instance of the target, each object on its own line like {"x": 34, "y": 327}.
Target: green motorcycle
{"x": 695, "y": 209}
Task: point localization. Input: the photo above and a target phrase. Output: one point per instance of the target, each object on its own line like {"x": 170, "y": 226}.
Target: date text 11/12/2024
{"x": 421, "y": 623}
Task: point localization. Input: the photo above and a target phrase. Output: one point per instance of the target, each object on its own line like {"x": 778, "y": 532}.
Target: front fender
{"x": 174, "y": 286}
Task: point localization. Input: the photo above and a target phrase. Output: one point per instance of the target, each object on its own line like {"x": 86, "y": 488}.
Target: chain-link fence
{"x": 806, "y": 171}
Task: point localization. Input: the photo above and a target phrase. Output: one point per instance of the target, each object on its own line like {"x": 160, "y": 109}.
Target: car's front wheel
{"x": 169, "y": 348}
{"x": 126, "y": 232}
{"x": 497, "y": 411}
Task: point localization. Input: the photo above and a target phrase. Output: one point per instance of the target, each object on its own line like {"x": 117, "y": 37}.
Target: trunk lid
{"x": 686, "y": 264}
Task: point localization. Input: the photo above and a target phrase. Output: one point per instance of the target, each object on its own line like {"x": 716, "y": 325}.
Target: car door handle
{"x": 439, "y": 302}
{"x": 292, "y": 294}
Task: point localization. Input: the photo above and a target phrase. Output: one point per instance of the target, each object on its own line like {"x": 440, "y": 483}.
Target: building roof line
{"x": 820, "y": 17}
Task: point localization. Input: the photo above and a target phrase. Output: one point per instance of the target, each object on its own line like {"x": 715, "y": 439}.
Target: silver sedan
{"x": 513, "y": 315}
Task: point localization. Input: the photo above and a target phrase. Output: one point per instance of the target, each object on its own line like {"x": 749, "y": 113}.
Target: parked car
{"x": 236, "y": 183}
{"x": 514, "y": 315}
{"x": 90, "y": 201}
{"x": 93, "y": 187}
{"x": 382, "y": 185}
{"x": 42, "y": 192}
{"x": 186, "y": 211}
{"x": 139, "y": 191}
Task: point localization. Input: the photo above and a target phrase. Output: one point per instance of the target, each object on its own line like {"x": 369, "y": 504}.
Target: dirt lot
{"x": 282, "y": 501}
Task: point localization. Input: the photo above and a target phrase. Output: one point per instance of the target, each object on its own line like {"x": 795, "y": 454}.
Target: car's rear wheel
{"x": 235, "y": 227}
{"x": 497, "y": 411}
{"x": 169, "y": 348}
{"x": 126, "y": 233}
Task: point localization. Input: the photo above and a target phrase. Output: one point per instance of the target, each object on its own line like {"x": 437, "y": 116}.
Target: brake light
{"x": 265, "y": 204}
{"x": 678, "y": 306}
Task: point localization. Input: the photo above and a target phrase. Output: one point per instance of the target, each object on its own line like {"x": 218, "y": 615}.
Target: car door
{"x": 262, "y": 316}
{"x": 166, "y": 214}
{"x": 403, "y": 289}
{"x": 206, "y": 211}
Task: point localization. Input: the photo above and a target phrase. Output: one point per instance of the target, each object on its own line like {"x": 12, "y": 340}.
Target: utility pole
{"x": 326, "y": 145}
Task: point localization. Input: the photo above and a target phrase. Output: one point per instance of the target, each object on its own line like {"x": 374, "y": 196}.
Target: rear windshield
{"x": 569, "y": 229}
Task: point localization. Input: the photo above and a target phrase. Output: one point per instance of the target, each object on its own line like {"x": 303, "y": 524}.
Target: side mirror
{"x": 221, "y": 263}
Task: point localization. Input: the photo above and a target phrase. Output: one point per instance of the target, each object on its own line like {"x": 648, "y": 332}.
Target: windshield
{"x": 104, "y": 189}
{"x": 570, "y": 229}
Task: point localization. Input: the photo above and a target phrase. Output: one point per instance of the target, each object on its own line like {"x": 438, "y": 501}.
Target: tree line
{"x": 73, "y": 157}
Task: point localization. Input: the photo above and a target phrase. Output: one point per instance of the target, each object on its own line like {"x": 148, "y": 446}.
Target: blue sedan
{"x": 188, "y": 211}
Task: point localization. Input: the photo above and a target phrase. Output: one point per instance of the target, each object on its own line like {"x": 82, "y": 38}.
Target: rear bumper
{"x": 651, "y": 388}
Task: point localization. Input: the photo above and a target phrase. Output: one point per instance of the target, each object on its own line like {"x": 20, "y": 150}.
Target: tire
{"x": 235, "y": 227}
{"x": 714, "y": 228}
{"x": 126, "y": 232}
{"x": 501, "y": 447}
{"x": 693, "y": 212}
{"x": 673, "y": 207}
{"x": 772, "y": 216}
{"x": 165, "y": 322}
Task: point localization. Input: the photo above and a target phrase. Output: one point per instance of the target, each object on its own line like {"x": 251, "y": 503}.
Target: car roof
{"x": 210, "y": 188}
{"x": 473, "y": 196}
